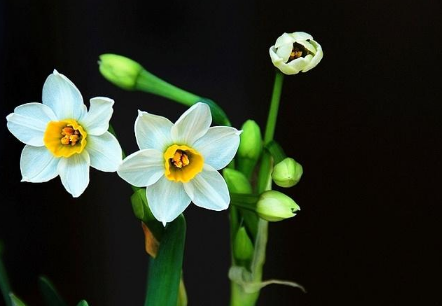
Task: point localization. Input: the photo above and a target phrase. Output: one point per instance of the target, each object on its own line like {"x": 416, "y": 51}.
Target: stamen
{"x": 180, "y": 159}
{"x": 71, "y": 136}
{"x": 298, "y": 51}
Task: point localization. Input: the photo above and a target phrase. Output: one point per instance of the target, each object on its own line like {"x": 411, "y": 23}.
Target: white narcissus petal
{"x": 218, "y": 146}
{"x": 300, "y": 36}
{"x": 104, "y": 151}
{"x": 284, "y": 52}
{"x": 307, "y": 45}
{"x": 96, "y": 121}
{"x": 28, "y": 122}
{"x": 192, "y": 125}
{"x": 152, "y": 131}
{"x": 61, "y": 95}
{"x": 208, "y": 190}
{"x": 275, "y": 58}
{"x": 142, "y": 168}
{"x": 74, "y": 173}
{"x": 167, "y": 200}
{"x": 316, "y": 58}
{"x": 284, "y": 39}
{"x": 37, "y": 165}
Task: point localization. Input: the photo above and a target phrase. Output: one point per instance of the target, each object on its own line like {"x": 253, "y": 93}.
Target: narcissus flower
{"x": 63, "y": 138}
{"x": 178, "y": 162}
{"x": 295, "y": 52}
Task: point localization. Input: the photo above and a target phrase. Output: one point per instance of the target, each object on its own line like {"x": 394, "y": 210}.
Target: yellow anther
{"x": 185, "y": 160}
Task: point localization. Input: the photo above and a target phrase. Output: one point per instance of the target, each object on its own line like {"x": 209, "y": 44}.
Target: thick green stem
{"x": 152, "y": 84}
{"x": 239, "y": 296}
{"x": 274, "y": 106}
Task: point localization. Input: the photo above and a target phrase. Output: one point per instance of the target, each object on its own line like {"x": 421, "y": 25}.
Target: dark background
{"x": 365, "y": 124}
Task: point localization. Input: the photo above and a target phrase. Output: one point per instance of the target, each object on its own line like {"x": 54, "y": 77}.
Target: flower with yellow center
{"x": 295, "y": 52}
{"x": 178, "y": 163}
{"x": 63, "y": 138}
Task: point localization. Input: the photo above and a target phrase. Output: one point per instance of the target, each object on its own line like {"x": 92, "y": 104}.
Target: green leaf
{"x": 50, "y": 294}
{"x": 15, "y": 300}
{"x": 4, "y": 283}
{"x": 82, "y": 303}
{"x": 165, "y": 269}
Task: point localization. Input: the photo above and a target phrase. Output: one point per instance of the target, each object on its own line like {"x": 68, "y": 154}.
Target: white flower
{"x": 63, "y": 138}
{"x": 178, "y": 162}
{"x": 295, "y": 52}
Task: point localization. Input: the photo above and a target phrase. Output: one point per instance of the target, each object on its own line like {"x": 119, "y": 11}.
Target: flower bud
{"x": 287, "y": 173}
{"x": 276, "y": 206}
{"x": 120, "y": 70}
{"x": 250, "y": 147}
{"x": 242, "y": 246}
{"x": 236, "y": 181}
{"x": 295, "y": 52}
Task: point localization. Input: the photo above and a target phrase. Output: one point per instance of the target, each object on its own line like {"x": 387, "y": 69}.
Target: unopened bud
{"x": 276, "y": 206}
{"x": 242, "y": 246}
{"x": 236, "y": 181}
{"x": 120, "y": 70}
{"x": 250, "y": 147}
{"x": 287, "y": 173}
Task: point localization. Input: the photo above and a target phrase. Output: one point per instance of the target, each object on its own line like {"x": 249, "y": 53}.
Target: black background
{"x": 365, "y": 124}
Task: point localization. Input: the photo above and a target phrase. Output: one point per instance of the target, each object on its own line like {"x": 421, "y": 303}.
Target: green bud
{"x": 120, "y": 70}
{"x": 242, "y": 246}
{"x": 276, "y": 206}
{"x": 250, "y": 147}
{"x": 236, "y": 181}
{"x": 287, "y": 173}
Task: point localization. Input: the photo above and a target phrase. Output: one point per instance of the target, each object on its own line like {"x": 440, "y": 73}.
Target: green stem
{"x": 150, "y": 83}
{"x": 274, "y": 106}
{"x": 239, "y": 296}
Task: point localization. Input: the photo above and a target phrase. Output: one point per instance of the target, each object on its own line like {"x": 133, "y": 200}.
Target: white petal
{"x": 276, "y": 59}
{"x": 28, "y": 122}
{"x": 37, "y": 164}
{"x": 142, "y": 168}
{"x": 218, "y": 146}
{"x": 208, "y": 190}
{"x": 96, "y": 121}
{"x": 316, "y": 59}
{"x": 193, "y": 124}
{"x": 284, "y": 52}
{"x": 300, "y": 36}
{"x": 167, "y": 200}
{"x": 284, "y": 39}
{"x": 74, "y": 173}
{"x": 104, "y": 151}
{"x": 61, "y": 95}
{"x": 307, "y": 45}
{"x": 152, "y": 131}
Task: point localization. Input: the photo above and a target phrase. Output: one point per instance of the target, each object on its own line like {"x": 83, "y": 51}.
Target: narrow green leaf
{"x": 4, "y": 282}
{"x": 165, "y": 269}
{"x": 82, "y": 303}
{"x": 50, "y": 294}
{"x": 15, "y": 300}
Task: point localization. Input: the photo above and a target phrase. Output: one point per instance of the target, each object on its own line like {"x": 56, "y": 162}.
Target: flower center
{"x": 298, "y": 51}
{"x": 64, "y": 138}
{"x": 182, "y": 163}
